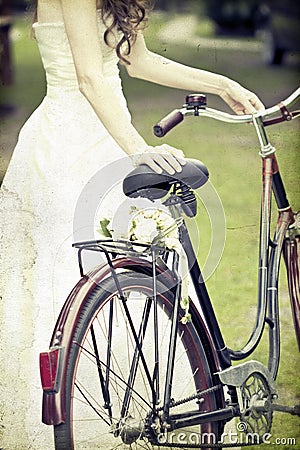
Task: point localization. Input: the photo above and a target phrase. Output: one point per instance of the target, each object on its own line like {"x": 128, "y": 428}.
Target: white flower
{"x": 171, "y": 242}
{"x": 144, "y": 229}
{"x": 187, "y": 318}
{"x": 147, "y": 224}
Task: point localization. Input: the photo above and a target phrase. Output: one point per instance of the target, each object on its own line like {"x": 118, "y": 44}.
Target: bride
{"x": 82, "y": 125}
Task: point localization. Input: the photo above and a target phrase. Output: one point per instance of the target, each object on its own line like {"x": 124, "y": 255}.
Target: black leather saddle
{"x": 144, "y": 182}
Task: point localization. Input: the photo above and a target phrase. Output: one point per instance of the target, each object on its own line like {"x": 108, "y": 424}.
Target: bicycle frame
{"x": 267, "y": 308}
{"x": 269, "y": 254}
{"x": 269, "y": 261}
{"x": 269, "y": 251}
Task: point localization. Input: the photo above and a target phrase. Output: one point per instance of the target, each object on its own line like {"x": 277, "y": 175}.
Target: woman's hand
{"x": 240, "y": 99}
{"x": 159, "y": 158}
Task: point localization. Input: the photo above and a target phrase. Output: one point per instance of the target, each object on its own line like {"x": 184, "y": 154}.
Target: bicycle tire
{"x": 83, "y": 407}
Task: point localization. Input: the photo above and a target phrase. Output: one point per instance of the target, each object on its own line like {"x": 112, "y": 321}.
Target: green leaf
{"x": 104, "y": 228}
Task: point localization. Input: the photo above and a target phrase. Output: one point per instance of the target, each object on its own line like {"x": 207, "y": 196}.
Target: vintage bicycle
{"x": 123, "y": 370}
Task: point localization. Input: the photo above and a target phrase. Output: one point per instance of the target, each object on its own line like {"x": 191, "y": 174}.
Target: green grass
{"x": 29, "y": 83}
{"x": 231, "y": 154}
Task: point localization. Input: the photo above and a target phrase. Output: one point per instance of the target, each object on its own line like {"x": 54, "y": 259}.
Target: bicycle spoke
{"x": 136, "y": 357}
{"x": 116, "y": 347}
{"x": 117, "y": 376}
{"x": 92, "y": 406}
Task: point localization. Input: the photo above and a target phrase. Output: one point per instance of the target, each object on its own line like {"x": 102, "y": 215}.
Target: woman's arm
{"x": 149, "y": 66}
{"x": 80, "y": 19}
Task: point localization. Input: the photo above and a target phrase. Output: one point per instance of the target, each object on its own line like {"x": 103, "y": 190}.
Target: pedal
{"x": 293, "y": 410}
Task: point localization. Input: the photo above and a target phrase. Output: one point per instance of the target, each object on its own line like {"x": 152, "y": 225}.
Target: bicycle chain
{"x": 173, "y": 404}
{"x": 199, "y": 395}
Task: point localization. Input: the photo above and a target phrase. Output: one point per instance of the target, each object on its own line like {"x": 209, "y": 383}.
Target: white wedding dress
{"x": 60, "y": 150}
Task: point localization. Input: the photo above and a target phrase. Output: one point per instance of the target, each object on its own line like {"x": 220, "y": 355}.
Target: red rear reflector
{"x": 50, "y": 369}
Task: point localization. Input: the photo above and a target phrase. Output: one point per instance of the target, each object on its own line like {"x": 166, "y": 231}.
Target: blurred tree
{"x": 191, "y": 6}
{"x": 6, "y": 70}
{"x": 168, "y": 5}
{"x": 19, "y": 5}
{"x": 237, "y": 15}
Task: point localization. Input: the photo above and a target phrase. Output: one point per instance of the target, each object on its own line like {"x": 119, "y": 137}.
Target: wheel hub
{"x": 130, "y": 430}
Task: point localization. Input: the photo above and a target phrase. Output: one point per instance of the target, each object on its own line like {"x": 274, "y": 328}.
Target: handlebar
{"x": 196, "y": 106}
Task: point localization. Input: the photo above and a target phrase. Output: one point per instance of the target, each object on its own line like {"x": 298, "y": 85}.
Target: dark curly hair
{"x": 127, "y": 16}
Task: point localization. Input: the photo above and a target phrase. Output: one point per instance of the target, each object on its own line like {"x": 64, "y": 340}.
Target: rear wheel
{"x": 110, "y": 392}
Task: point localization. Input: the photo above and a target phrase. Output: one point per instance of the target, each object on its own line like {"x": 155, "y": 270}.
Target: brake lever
{"x": 286, "y": 115}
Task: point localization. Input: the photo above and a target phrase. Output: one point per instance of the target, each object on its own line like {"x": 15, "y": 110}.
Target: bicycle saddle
{"x": 144, "y": 182}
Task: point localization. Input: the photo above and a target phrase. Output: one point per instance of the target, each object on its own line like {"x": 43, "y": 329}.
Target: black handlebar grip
{"x": 167, "y": 123}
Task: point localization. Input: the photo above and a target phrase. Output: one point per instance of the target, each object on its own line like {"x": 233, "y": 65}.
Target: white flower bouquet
{"x": 155, "y": 226}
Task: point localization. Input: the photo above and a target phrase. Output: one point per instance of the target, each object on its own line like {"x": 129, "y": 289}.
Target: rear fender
{"x": 53, "y": 363}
